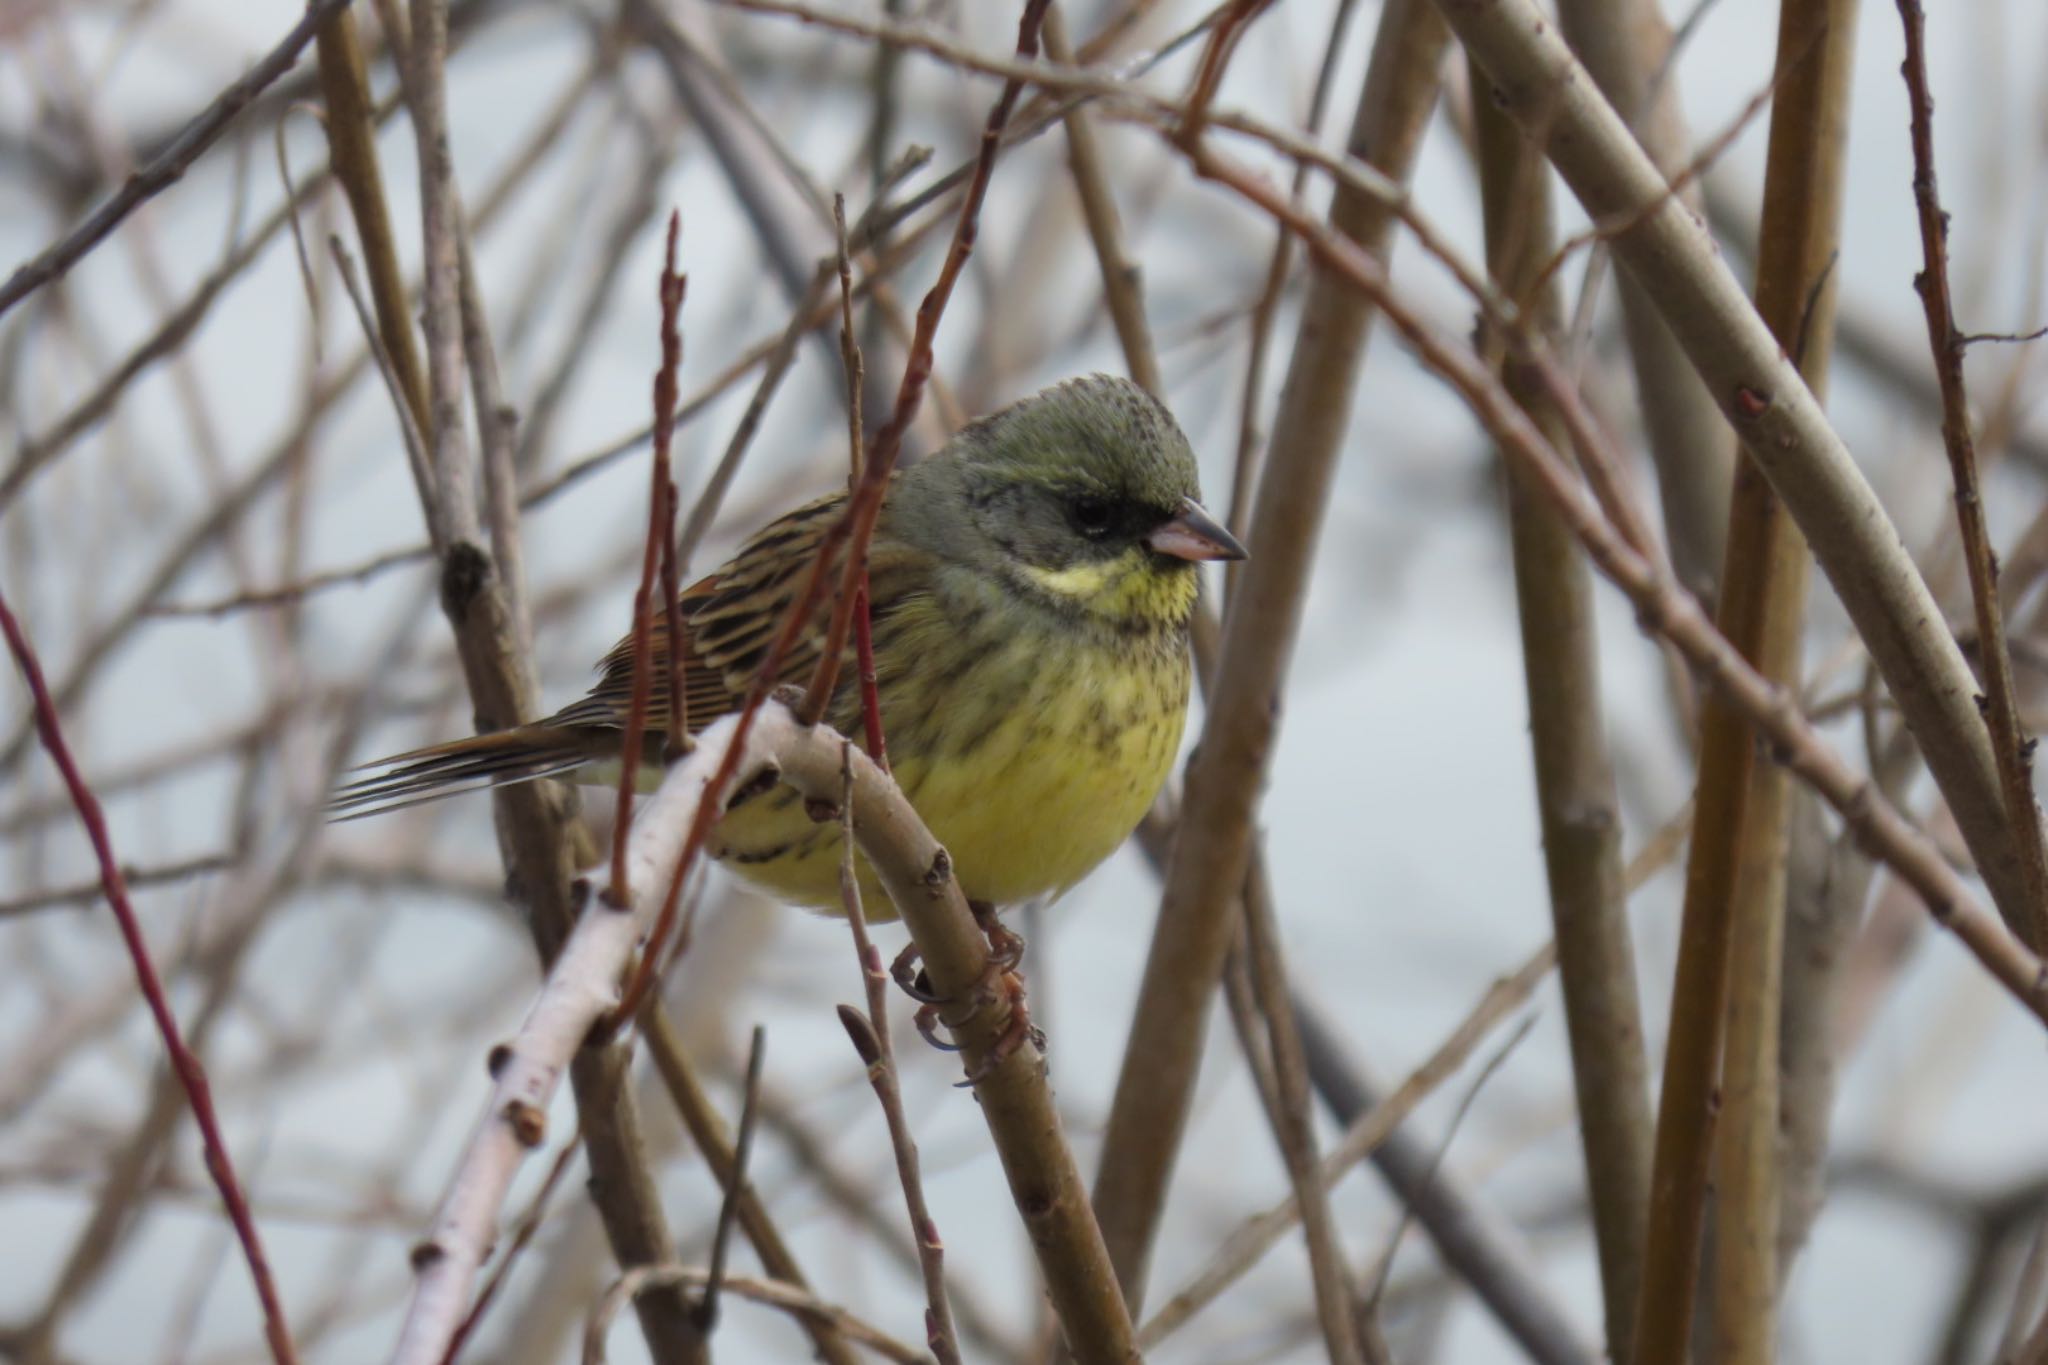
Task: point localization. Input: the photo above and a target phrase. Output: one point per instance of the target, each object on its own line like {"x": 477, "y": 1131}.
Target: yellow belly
{"x": 1029, "y": 780}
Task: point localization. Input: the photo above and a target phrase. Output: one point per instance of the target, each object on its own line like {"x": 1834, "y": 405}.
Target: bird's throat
{"x": 1135, "y": 591}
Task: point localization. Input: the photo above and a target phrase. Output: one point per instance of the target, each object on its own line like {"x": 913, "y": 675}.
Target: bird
{"x": 1031, "y": 588}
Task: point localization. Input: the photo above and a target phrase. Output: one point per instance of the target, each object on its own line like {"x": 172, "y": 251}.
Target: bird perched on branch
{"x": 1030, "y": 590}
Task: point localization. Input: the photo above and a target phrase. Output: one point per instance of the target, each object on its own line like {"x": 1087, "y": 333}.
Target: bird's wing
{"x": 730, "y": 621}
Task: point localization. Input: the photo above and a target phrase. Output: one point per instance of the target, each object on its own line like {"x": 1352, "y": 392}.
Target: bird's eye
{"x": 1093, "y": 517}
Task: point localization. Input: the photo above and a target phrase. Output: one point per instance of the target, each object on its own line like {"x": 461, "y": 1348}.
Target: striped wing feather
{"x": 731, "y": 619}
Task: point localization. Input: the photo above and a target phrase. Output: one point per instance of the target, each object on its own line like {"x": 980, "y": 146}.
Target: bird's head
{"x": 1085, "y": 495}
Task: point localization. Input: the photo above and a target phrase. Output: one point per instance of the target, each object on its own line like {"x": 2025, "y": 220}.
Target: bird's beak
{"x": 1194, "y": 535}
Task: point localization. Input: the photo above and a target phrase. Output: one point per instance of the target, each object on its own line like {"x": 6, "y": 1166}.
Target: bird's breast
{"x": 1030, "y": 749}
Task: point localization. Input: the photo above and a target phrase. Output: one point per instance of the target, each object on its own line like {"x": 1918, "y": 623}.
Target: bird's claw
{"x": 927, "y": 1020}
{"x": 1005, "y": 945}
{"x": 1000, "y": 983}
{"x": 912, "y": 979}
{"x": 1017, "y": 1029}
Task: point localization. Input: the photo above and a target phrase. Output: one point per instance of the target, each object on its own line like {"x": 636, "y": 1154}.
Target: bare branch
{"x": 1156, "y": 1083}
{"x": 2011, "y": 748}
{"x": 190, "y": 1072}
{"x": 170, "y": 164}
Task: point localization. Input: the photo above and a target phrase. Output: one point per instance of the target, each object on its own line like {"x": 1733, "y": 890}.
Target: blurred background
{"x": 208, "y": 526}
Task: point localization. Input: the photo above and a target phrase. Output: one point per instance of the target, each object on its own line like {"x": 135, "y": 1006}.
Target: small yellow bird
{"x": 1030, "y": 590}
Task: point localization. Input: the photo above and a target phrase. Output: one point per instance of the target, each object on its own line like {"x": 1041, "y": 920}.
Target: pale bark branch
{"x": 583, "y": 986}
{"x": 535, "y": 835}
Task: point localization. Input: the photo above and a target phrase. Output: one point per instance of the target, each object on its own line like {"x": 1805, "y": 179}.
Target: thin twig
{"x": 2009, "y": 338}
{"x": 870, "y": 1036}
{"x": 1703, "y": 160}
{"x": 1278, "y": 267}
{"x": 849, "y": 536}
{"x": 497, "y": 425}
{"x": 657, "y": 550}
{"x": 1123, "y": 290}
{"x": 1229, "y": 30}
{"x": 735, "y": 1181}
{"x": 1241, "y": 1249}
{"x": 84, "y": 893}
{"x": 170, "y": 164}
{"x": 352, "y": 152}
{"x": 1487, "y": 1070}
{"x": 521, "y": 1239}
{"x": 850, "y": 362}
{"x": 707, "y": 1130}
{"x": 190, "y": 1071}
{"x": 797, "y": 1302}
{"x": 2011, "y": 747}
{"x": 1338, "y": 1308}
{"x": 1669, "y": 611}
{"x": 177, "y": 326}
{"x": 415, "y": 443}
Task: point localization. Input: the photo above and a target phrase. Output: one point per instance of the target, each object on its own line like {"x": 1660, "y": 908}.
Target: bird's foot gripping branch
{"x": 1001, "y": 987}
{"x": 998, "y": 1046}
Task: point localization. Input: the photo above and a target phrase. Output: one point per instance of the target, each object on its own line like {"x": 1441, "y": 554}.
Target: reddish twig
{"x": 1216, "y": 55}
{"x": 191, "y": 1074}
{"x": 851, "y": 532}
{"x": 2010, "y": 747}
{"x": 864, "y": 662}
{"x": 856, "y": 373}
{"x": 665, "y": 386}
{"x": 659, "y": 552}
{"x": 866, "y": 503}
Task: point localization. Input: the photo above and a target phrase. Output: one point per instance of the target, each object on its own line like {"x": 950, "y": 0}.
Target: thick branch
{"x": 916, "y": 872}
{"x": 1671, "y": 612}
{"x": 1781, "y": 424}
{"x": 1626, "y": 45}
{"x": 1156, "y": 1084}
{"x": 1574, "y": 777}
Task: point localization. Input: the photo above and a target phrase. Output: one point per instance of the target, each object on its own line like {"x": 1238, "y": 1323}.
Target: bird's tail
{"x": 516, "y": 755}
